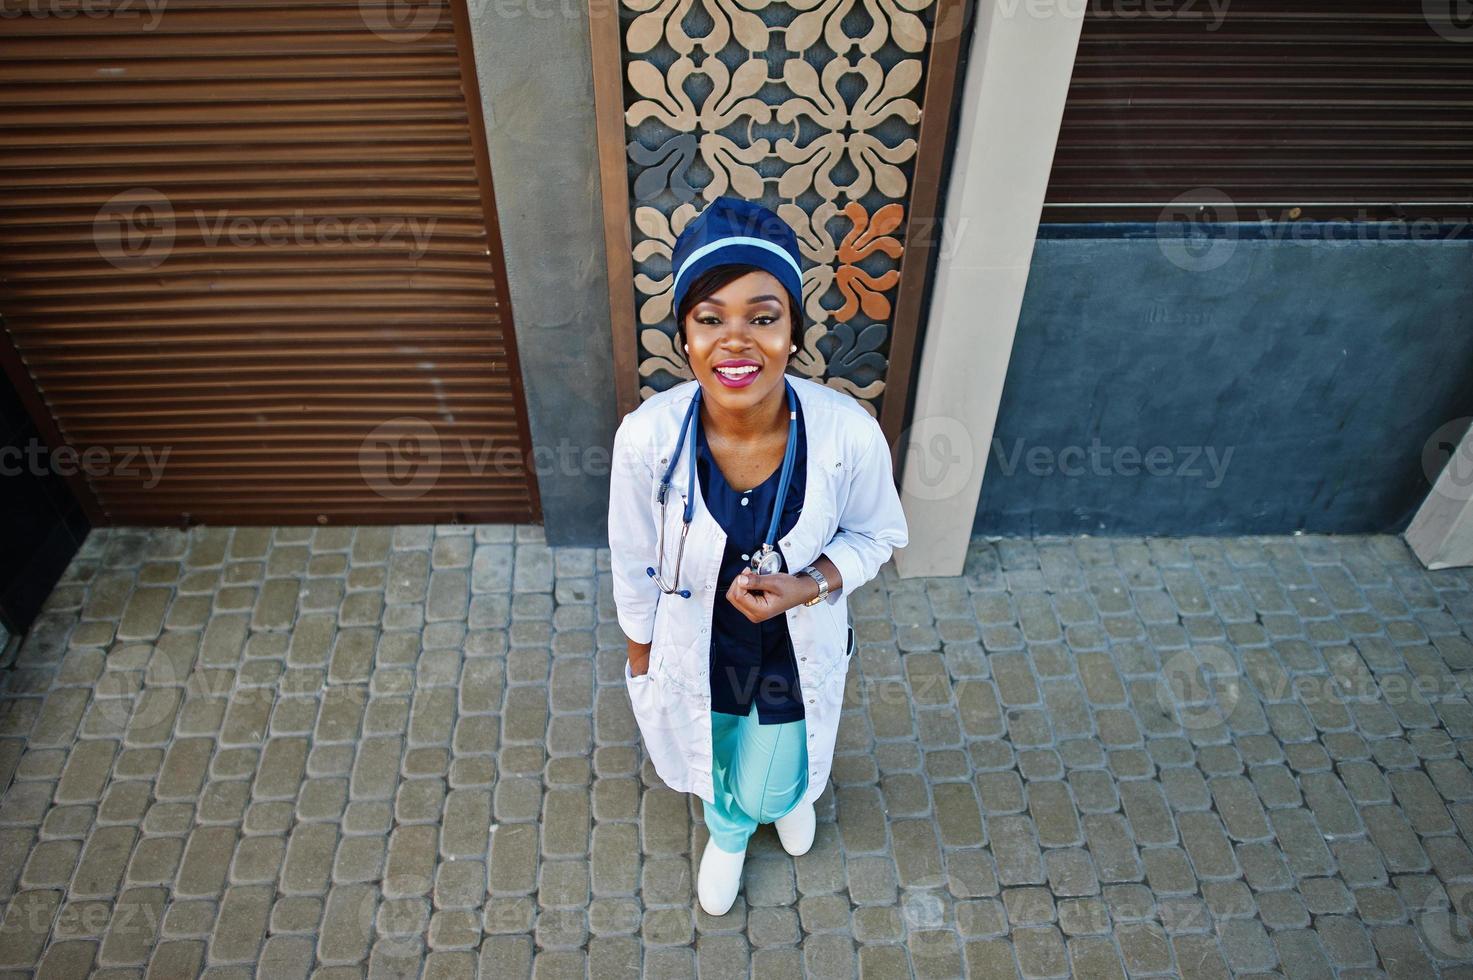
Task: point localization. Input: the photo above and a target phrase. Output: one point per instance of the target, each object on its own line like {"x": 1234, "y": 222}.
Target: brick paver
{"x": 351, "y": 752}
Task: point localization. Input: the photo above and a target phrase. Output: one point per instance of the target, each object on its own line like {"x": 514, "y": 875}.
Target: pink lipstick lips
{"x": 737, "y": 373}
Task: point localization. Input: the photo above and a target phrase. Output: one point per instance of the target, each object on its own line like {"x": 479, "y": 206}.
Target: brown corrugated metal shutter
{"x": 262, "y": 237}
{"x": 1350, "y": 110}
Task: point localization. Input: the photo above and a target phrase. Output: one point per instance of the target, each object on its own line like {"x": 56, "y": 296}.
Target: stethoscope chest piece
{"x": 767, "y": 561}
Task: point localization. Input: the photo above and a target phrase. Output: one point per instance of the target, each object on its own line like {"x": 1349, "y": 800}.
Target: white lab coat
{"x": 851, "y": 513}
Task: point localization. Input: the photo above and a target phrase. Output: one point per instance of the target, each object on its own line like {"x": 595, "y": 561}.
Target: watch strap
{"x": 823, "y": 585}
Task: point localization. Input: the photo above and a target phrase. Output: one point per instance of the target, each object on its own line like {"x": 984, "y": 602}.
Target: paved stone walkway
{"x": 408, "y": 752}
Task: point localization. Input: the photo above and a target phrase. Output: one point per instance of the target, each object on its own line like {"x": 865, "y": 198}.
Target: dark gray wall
{"x": 1283, "y": 385}
{"x": 1271, "y": 385}
{"x": 41, "y": 523}
{"x": 537, "y": 92}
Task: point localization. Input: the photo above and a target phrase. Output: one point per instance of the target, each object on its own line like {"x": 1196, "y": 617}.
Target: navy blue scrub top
{"x": 751, "y": 660}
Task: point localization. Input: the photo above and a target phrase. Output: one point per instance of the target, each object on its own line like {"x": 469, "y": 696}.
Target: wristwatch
{"x": 823, "y": 585}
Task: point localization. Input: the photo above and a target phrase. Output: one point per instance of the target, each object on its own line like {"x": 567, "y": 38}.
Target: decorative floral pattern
{"x": 810, "y": 107}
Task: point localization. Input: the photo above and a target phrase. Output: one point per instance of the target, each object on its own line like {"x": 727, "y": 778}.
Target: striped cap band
{"x": 710, "y": 247}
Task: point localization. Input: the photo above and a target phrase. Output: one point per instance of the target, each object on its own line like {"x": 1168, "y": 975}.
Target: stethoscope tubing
{"x": 687, "y": 424}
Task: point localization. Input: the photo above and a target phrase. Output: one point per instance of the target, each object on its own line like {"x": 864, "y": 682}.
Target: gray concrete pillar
{"x": 1013, "y": 100}
{"x": 1441, "y": 534}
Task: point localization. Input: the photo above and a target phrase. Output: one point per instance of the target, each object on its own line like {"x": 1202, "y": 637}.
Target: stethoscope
{"x": 763, "y": 562}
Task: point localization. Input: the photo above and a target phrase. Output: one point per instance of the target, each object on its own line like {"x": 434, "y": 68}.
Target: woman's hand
{"x": 761, "y": 597}
{"x": 639, "y": 658}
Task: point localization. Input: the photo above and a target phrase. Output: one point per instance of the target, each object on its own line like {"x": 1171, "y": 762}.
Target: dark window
{"x": 1268, "y": 109}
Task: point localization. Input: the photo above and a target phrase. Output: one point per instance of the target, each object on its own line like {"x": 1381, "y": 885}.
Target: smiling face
{"x": 738, "y": 338}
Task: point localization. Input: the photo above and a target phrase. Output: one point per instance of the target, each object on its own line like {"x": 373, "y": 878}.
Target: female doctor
{"x": 745, "y": 507}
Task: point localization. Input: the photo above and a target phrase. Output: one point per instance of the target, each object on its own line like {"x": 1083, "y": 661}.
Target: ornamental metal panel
{"x": 833, "y": 113}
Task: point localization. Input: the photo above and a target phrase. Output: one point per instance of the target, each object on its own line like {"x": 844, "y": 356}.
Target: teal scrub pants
{"x": 759, "y": 773}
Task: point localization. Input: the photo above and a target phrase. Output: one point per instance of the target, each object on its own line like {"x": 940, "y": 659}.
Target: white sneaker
{"x": 720, "y": 878}
{"x": 795, "y": 829}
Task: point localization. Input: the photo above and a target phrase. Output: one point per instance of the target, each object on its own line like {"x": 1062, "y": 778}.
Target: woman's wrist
{"x": 811, "y": 589}
{"x": 830, "y": 573}
{"x": 639, "y": 658}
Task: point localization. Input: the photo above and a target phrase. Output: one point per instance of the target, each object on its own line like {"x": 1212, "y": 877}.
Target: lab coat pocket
{"x": 640, "y": 688}
{"x": 658, "y": 730}
{"x": 840, "y": 613}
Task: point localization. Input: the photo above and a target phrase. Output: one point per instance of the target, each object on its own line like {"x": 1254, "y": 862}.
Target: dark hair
{"x": 713, "y": 279}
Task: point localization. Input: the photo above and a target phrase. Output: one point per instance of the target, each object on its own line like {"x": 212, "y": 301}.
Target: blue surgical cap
{"x": 734, "y": 231}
